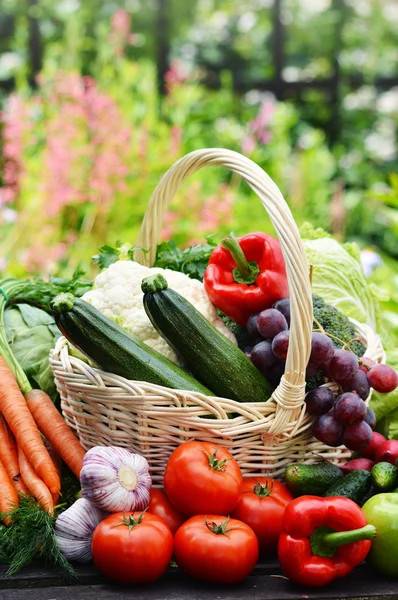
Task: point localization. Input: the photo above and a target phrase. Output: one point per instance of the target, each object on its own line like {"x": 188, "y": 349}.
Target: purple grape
{"x": 370, "y": 418}
{"x": 322, "y": 349}
{"x": 274, "y": 374}
{"x": 312, "y": 370}
{"x": 270, "y": 322}
{"x": 349, "y": 409}
{"x": 343, "y": 366}
{"x": 357, "y": 436}
{"x": 319, "y": 401}
{"x": 328, "y": 430}
{"x": 359, "y": 384}
{"x": 280, "y": 344}
{"x": 251, "y": 325}
{"x": 283, "y": 305}
{"x": 262, "y": 356}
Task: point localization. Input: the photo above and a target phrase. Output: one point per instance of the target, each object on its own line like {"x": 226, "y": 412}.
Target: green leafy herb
{"x": 192, "y": 261}
{"x": 106, "y": 256}
{"x": 31, "y": 333}
{"x": 30, "y": 538}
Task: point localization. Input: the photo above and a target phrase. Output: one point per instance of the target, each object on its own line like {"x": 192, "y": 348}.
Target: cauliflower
{"x": 117, "y": 294}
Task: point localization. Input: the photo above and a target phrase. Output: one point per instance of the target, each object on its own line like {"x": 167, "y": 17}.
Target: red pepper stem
{"x": 230, "y": 243}
{"x": 340, "y": 538}
{"x": 245, "y": 272}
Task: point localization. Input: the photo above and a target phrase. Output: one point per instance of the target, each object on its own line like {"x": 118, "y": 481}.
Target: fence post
{"x": 335, "y": 123}
{"x": 163, "y": 43}
{"x": 35, "y": 46}
{"x": 278, "y": 50}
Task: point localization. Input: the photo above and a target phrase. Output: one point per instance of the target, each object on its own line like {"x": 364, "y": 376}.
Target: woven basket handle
{"x": 290, "y": 393}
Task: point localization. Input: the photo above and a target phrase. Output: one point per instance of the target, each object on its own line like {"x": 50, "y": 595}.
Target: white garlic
{"x": 74, "y": 529}
{"x": 115, "y": 480}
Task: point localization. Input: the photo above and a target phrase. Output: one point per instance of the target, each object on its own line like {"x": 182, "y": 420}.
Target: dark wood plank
{"x": 265, "y": 584}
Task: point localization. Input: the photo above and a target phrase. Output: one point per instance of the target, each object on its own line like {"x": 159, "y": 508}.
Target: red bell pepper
{"x": 246, "y": 275}
{"x": 322, "y": 539}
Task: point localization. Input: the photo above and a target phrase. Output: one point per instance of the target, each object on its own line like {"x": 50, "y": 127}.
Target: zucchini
{"x": 355, "y": 486}
{"x": 208, "y": 354}
{"x": 108, "y": 345}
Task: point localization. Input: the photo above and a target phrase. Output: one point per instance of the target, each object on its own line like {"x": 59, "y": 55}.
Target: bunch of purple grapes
{"x": 345, "y": 420}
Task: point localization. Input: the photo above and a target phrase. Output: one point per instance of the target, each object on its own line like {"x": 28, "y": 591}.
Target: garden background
{"x": 100, "y": 97}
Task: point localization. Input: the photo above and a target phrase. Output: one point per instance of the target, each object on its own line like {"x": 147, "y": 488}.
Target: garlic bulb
{"x": 74, "y": 529}
{"x": 115, "y": 480}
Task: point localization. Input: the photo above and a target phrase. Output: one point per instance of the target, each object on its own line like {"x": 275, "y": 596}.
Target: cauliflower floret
{"x": 117, "y": 294}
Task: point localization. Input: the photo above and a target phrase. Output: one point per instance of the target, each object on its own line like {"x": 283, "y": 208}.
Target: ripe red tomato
{"x": 202, "y": 478}
{"x": 160, "y": 505}
{"x": 132, "y": 547}
{"x": 216, "y": 549}
{"x": 261, "y": 506}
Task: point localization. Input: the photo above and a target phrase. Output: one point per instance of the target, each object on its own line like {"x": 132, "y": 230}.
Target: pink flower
{"x": 259, "y": 127}
{"x": 176, "y": 74}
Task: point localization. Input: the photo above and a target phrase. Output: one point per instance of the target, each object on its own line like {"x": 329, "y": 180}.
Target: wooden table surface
{"x": 266, "y": 583}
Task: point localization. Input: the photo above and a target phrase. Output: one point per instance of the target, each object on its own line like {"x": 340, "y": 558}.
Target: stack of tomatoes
{"x": 213, "y": 521}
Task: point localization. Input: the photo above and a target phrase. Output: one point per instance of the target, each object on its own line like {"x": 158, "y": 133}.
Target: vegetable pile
{"x": 214, "y": 320}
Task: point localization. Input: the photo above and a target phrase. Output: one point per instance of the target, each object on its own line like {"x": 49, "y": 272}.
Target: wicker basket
{"x": 105, "y": 409}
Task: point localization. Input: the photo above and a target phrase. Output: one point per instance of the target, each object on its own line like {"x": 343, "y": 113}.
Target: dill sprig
{"x": 31, "y": 538}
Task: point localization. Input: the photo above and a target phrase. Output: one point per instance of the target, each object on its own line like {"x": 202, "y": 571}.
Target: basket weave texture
{"x": 106, "y": 409}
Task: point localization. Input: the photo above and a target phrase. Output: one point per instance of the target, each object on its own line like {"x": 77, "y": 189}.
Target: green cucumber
{"x": 114, "y": 350}
{"x": 208, "y": 354}
{"x": 384, "y": 476}
{"x": 312, "y": 480}
{"x": 355, "y": 486}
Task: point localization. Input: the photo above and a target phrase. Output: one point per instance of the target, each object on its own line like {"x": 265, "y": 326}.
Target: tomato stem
{"x": 130, "y": 521}
{"x": 263, "y": 490}
{"x": 218, "y": 529}
{"x": 214, "y": 463}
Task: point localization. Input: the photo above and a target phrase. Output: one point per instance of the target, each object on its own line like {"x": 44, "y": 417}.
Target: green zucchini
{"x": 355, "y": 486}
{"x": 108, "y": 345}
{"x": 208, "y": 354}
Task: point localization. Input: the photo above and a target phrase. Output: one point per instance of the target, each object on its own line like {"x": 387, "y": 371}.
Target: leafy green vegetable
{"x": 192, "y": 261}
{"x": 31, "y": 333}
{"x": 338, "y": 276}
{"x": 30, "y": 538}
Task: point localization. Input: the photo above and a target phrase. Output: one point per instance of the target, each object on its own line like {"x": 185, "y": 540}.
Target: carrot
{"x": 8, "y": 494}
{"x": 57, "y": 464}
{"x": 35, "y": 485}
{"x": 20, "y": 421}
{"x": 53, "y": 427}
{"x": 9, "y": 457}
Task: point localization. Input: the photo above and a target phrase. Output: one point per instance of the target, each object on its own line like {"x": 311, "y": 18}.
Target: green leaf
{"x": 31, "y": 334}
{"x": 107, "y": 256}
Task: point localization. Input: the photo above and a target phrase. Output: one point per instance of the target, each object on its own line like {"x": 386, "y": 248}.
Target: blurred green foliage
{"x": 83, "y": 179}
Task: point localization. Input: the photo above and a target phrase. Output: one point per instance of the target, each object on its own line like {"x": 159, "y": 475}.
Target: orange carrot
{"x": 57, "y": 464}
{"x": 17, "y": 414}
{"x": 8, "y": 494}
{"x": 36, "y": 486}
{"x": 9, "y": 457}
{"x": 53, "y": 427}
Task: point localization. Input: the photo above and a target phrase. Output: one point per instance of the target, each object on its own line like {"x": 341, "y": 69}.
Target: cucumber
{"x": 384, "y": 476}
{"x": 208, "y": 354}
{"x": 108, "y": 345}
{"x": 355, "y": 486}
{"x": 312, "y": 480}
